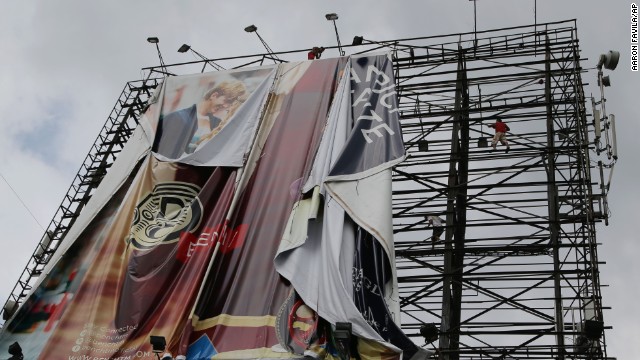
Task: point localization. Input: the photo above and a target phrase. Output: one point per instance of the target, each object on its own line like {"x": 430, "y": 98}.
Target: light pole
{"x": 155, "y": 40}
{"x": 333, "y": 17}
{"x": 254, "y": 29}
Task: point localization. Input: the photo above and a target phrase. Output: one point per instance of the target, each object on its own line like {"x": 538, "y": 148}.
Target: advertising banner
{"x": 210, "y": 119}
{"x": 337, "y": 249}
{"x": 257, "y": 221}
{"x": 246, "y": 327}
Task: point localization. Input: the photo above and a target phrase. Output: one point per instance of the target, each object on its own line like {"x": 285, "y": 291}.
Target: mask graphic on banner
{"x": 160, "y": 217}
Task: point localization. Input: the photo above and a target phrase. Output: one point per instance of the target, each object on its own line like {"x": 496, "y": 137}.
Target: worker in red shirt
{"x": 315, "y": 53}
{"x": 501, "y": 130}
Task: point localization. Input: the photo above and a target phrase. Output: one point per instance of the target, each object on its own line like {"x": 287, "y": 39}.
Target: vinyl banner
{"x": 38, "y": 317}
{"x": 257, "y": 218}
{"x": 246, "y": 327}
{"x": 143, "y": 268}
{"x": 337, "y": 249}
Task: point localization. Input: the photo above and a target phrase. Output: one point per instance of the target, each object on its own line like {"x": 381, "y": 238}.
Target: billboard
{"x": 249, "y": 216}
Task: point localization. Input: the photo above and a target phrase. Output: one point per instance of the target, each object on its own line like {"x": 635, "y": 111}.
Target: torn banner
{"x": 345, "y": 243}
{"x": 226, "y": 187}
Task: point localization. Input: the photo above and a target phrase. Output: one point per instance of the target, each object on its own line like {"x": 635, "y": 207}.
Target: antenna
{"x": 156, "y": 41}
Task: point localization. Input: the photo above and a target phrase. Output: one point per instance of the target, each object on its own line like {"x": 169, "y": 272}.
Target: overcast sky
{"x": 64, "y": 63}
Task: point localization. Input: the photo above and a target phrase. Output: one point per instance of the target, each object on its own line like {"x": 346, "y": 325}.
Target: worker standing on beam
{"x": 501, "y": 134}
{"x": 315, "y": 53}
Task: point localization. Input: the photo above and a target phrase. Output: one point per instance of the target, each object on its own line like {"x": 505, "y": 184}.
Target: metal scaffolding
{"x": 515, "y": 274}
{"x": 119, "y": 126}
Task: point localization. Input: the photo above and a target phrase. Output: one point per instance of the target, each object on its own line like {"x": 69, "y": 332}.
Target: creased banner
{"x": 242, "y": 167}
{"x": 210, "y": 120}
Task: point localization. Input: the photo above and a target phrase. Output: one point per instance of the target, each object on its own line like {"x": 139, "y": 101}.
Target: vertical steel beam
{"x": 456, "y": 219}
{"x": 552, "y": 198}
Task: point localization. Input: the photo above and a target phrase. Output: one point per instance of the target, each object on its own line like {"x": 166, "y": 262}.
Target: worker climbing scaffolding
{"x": 438, "y": 229}
{"x": 501, "y": 130}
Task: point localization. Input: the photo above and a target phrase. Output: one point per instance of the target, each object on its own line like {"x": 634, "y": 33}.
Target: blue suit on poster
{"x": 176, "y": 131}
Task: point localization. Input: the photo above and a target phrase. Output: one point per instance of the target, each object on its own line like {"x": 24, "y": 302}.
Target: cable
{"x": 22, "y": 202}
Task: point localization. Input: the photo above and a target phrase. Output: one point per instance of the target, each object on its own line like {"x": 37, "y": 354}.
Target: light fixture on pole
{"x": 155, "y": 40}
{"x": 333, "y": 17}
{"x": 184, "y": 48}
{"x": 9, "y": 309}
{"x": 357, "y": 40}
{"x": 609, "y": 61}
{"x": 254, "y": 29}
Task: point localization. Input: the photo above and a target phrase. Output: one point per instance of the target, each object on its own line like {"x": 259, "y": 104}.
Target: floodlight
{"x": 342, "y": 336}
{"x": 154, "y": 40}
{"x": 43, "y": 246}
{"x": 9, "y": 309}
{"x": 593, "y": 329}
{"x": 609, "y": 60}
{"x": 429, "y": 332}
{"x": 605, "y": 80}
{"x": 563, "y": 133}
{"x": 423, "y": 145}
{"x": 184, "y": 48}
{"x": 158, "y": 343}
{"x": 254, "y": 29}
{"x": 343, "y": 331}
{"x": 16, "y": 351}
{"x": 357, "y": 40}
{"x": 332, "y": 16}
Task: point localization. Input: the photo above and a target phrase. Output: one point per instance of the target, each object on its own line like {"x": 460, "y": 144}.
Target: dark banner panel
{"x": 376, "y": 137}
